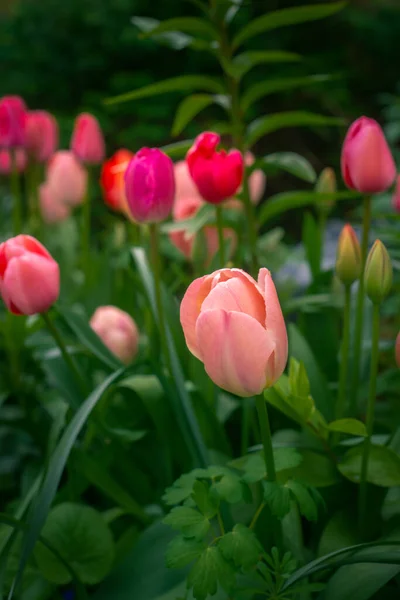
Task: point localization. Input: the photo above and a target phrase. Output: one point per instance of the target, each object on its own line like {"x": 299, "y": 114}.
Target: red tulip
{"x": 87, "y": 141}
{"x": 217, "y": 175}
{"x": 12, "y": 122}
{"x": 41, "y": 134}
{"x": 112, "y": 179}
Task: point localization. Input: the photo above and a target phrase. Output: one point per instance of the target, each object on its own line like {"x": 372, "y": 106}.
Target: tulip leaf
{"x": 292, "y": 163}
{"x": 239, "y": 66}
{"x": 350, "y": 426}
{"x": 189, "y": 521}
{"x": 270, "y": 123}
{"x": 204, "y": 216}
{"x": 285, "y": 17}
{"x": 191, "y": 25}
{"x": 271, "y": 86}
{"x": 241, "y": 546}
{"x": 191, "y": 106}
{"x": 182, "y": 551}
{"x": 383, "y": 466}
{"x": 177, "y": 150}
{"x": 175, "y": 84}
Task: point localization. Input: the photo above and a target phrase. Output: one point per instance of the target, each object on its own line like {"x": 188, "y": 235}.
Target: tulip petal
{"x": 235, "y": 350}
{"x": 191, "y": 303}
{"x": 237, "y": 294}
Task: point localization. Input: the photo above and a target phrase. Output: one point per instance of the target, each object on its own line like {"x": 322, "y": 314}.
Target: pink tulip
{"x": 235, "y": 326}
{"x": 6, "y": 163}
{"x": 29, "y": 276}
{"x": 117, "y": 330}
{"x": 396, "y": 195}
{"x": 12, "y": 122}
{"x": 367, "y": 163}
{"x": 217, "y": 175}
{"x": 87, "y": 141}
{"x": 53, "y": 209}
{"x": 67, "y": 177}
{"x": 150, "y": 185}
{"x": 41, "y": 135}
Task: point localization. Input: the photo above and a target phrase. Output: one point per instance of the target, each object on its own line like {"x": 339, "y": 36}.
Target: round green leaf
{"x": 383, "y": 466}
{"x": 82, "y": 538}
{"x": 351, "y": 426}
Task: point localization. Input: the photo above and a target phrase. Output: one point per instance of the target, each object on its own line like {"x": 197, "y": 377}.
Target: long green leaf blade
{"x": 191, "y": 25}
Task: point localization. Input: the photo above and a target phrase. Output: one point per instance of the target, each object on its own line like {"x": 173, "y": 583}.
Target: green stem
{"x": 244, "y": 441}
{"x": 65, "y": 354}
{"x": 16, "y": 193}
{"x": 322, "y": 219}
{"x": 360, "y": 304}
{"x": 344, "y": 360}
{"x": 155, "y": 260}
{"x": 86, "y": 227}
{"x": 221, "y": 241}
{"x": 220, "y": 523}
{"x": 266, "y": 437}
{"x": 369, "y": 420}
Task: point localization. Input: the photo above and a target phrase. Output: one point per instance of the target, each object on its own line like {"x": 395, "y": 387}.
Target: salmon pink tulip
{"x": 67, "y": 177}
{"x": 112, "y": 179}
{"x": 87, "y": 141}
{"x": 12, "y": 122}
{"x": 29, "y": 276}
{"x": 367, "y": 162}
{"x": 117, "y": 330}
{"x": 217, "y": 175}
{"x": 6, "y": 162}
{"x": 150, "y": 186}
{"x": 52, "y": 208}
{"x": 41, "y": 135}
{"x": 235, "y": 326}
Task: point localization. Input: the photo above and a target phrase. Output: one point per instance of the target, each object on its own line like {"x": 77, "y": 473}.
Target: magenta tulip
{"x": 87, "y": 141}
{"x": 12, "y": 122}
{"x": 41, "y": 135}
{"x": 6, "y": 164}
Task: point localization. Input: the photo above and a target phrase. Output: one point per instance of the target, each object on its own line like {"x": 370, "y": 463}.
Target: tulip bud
{"x": 326, "y": 184}
{"x": 217, "y": 175}
{"x": 367, "y": 162}
{"x": 348, "y": 258}
{"x": 67, "y": 177}
{"x": 150, "y": 186}
{"x": 396, "y": 195}
{"x": 397, "y": 350}
{"x": 87, "y": 141}
{"x": 12, "y": 122}
{"x": 378, "y": 273}
{"x": 117, "y": 331}
{"x": 29, "y": 276}
{"x": 41, "y": 135}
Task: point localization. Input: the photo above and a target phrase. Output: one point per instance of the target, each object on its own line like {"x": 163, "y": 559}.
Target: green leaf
{"x": 182, "y": 488}
{"x": 177, "y": 150}
{"x": 316, "y": 470}
{"x": 207, "y": 504}
{"x": 210, "y": 569}
{"x": 82, "y": 538}
{"x": 189, "y": 521}
{"x": 383, "y": 465}
{"x": 173, "y": 39}
{"x": 175, "y": 84}
{"x": 312, "y": 242}
{"x": 285, "y": 17}
{"x": 241, "y": 546}
{"x": 271, "y": 86}
{"x": 182, "y": 551}
{"x": 243, "y": 63}
{"x": 270, "y": 123}
{"x": 288, "y": 161}
{"x": 286, "y": 458}
{"x": 277, "y": 497}
{"x": 191, "y": 25}
{"x": 190, "y": 108}
{"x": 229, "y": 488}
{"x": 299, "y": 383}
{"x": 55, "y": 470}
{"x": 304, "y": 500}
{"x": 205, "y": 215}
{"x": 350, "y": 426}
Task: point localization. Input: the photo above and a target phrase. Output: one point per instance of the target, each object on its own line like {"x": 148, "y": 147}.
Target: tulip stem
{"x": 65, "y": 354}
{"x": 221, "y": 242}
{"x": 362, "y": 507}
{"x": 155, "y": 260}
{"x": 266, "y": 437}
{"x": 86, "y": 227}
{"x": 246, "y": 410}
{"x": 344, "y": 359}
{"x": 16, "y": 193}
{"x": 360, "y": 304}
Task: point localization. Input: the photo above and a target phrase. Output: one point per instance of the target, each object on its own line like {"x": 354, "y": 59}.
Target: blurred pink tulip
{"x": 29, "y": 276}
{"x": 52, "y": 208}
{"x": 217, "y": 175}
{"x": 367, "y": 162}
{"x": 87, "y": 141}
{"x": 67, "y": 177}
{"x": 41, "y": 135}
{"x": 117, "y": 330}
{"x": 12, "y": 122}
{"x": 235, "y": 326}
{"x": 396, "y": 195}
{"x": 6, "y": 163}
{"x": 257, "y": 182}
{"x": 150, "y": 186}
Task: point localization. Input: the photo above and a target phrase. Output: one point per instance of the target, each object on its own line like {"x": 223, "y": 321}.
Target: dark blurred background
{"x": 68, "y": 56}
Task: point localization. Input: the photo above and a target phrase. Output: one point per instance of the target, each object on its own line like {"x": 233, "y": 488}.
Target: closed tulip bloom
{"x": 150, "y": 186}
{"x": 12, "y": 122}
{"x": 112, "y": 179}
{"x": 87, "y": 141}
{"x": 67, "y": 177}
{"x": 235, "y": 326}
{"x": 6, "y": 162}
{"x": 41, "y": 135}
{"x": 396, "y": 195}
{"x": 367, "y": 163}
{"x": 52, "y": 208}
{"x": 378, "y": 275}
{"x": 29, "y": 276}
{"x": 117, "y": 330}
{"x": 348, "y": 258}
{"x": 217, "y": 175}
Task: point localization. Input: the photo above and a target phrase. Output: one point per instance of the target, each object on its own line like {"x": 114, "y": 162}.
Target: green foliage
{"x": 241, "y": 546}
{"x": 383, "y": 465}
{"x": 277, "y": 497}
{"x": 182, "y": 551}
{"x": 189, "y": 521}
{"x": 210, "y": 570}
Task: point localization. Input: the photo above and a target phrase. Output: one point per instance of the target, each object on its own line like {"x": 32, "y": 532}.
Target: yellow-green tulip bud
{"x": 326, "y": 183}
{"x": 348, "y": 257}
{"x": 378, "y": 273}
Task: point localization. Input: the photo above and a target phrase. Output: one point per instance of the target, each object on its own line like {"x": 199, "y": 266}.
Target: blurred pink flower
{"x": 6, "y": 164}
{"x": 52, "y": 208}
